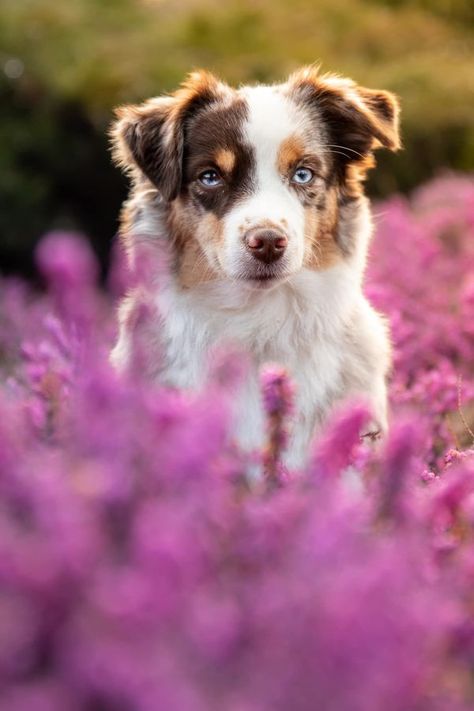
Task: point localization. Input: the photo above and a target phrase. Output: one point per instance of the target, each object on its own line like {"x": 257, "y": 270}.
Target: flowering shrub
{"x": 140, "y": 570}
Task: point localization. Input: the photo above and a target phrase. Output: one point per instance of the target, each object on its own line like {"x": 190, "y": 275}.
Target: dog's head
{"x": 254, "y": 178}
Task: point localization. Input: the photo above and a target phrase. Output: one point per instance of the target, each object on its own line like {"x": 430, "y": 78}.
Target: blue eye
{"x": 302, "y": 176}
{"x": 210, "y": 178}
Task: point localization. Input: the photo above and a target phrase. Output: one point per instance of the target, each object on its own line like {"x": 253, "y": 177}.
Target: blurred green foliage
{"x": 66, "y": 64}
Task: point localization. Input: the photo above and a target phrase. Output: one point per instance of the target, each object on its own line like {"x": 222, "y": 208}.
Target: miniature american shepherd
{"x": 257, "y": 194}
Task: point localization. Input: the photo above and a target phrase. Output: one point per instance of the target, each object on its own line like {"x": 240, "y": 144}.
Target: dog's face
{"x": 254, "y": 178}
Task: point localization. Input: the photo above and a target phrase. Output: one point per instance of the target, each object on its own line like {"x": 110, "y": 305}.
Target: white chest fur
{"x": 303, "y": 325}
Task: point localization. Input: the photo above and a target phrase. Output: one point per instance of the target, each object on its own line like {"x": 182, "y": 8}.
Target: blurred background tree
{"x": 64, "y": 65}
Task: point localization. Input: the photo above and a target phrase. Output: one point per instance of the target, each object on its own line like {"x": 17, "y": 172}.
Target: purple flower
{"x": 140, "y": 570}
{"x": 335, "y": 448}
{"x": 278, "y": 395}
{"x": 66, "y": 260}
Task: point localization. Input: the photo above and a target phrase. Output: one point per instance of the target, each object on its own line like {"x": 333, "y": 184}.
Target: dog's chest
{"x": 276, "y": 328}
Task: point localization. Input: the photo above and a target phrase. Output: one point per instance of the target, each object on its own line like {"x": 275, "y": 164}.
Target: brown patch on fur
{"x": 188, "y": 233}
{"x": 290, "y": 152}
{"x": 146, "y": 143}
{"x": 322, "y": 250}
{"x": 357, "y": 121}
{"x": 356, "y": 174}
{"x": 150, "y": 136}
{"x": 225, "y": 160}
{"x": 198, "y": 89}
{"x": 150, "y": 143}
{"x": 211, "y": 229}
{"x": 218, "y": 129}
{"x": 192, "y": 266}
{"x": 372, "y": 112}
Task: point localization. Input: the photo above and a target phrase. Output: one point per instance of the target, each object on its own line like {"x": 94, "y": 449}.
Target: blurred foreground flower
{"x": 277, "y": 391}
{"x": 138, "y": 574}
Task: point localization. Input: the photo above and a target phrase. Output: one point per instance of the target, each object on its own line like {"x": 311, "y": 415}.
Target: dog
{"x": 257, "y": 192}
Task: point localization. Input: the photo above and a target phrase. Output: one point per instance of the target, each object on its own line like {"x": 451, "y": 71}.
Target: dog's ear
{"x": 357, "y": 120}
{"x": 147, "y": 138}
{"x": 150, "y": 136}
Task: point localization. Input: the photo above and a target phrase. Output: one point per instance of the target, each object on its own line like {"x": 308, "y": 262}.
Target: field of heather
{"x": 141, "y": 571}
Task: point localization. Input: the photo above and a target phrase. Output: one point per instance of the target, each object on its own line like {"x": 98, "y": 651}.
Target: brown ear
{"x": 150, "y": 136}
{"x": 358, "y": 120}
{"x": 146, "y": 137}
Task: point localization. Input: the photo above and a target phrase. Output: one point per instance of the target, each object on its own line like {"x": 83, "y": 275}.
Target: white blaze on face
{"x": 272, "y": 118}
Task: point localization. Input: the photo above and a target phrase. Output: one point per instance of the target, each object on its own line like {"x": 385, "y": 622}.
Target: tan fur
{"x": 290, "y": 153}
{"x": 356, "y": 174}
{"x": 199, "y": 83}
{"x": 225, "y": 160}
{"x": 193, "y": 267}
{"x": 128, "y": 218}
{"x": 189, "y": 234}
{"x": 322, "y": 251}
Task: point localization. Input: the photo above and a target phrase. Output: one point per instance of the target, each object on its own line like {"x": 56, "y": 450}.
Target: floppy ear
{"x": 358, "y": 120}
{"x": 150, "y": 136}
{"x": 147, "y": 137}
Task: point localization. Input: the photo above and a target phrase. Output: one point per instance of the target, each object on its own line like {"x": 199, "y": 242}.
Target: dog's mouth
{"x": 264, "y": 280}
{"x": 260, "y": 276}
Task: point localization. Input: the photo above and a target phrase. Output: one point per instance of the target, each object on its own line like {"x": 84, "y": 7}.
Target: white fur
{"x": 272, "y": 118}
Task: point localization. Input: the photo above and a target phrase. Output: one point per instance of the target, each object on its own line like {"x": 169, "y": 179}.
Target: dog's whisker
{"x": 338, "y": 153}
{"x": 344, "y": 148}
{"x": 332, "y": 152}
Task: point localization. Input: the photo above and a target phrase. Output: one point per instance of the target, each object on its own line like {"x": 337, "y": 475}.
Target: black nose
{"x": 265, "y": 244}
